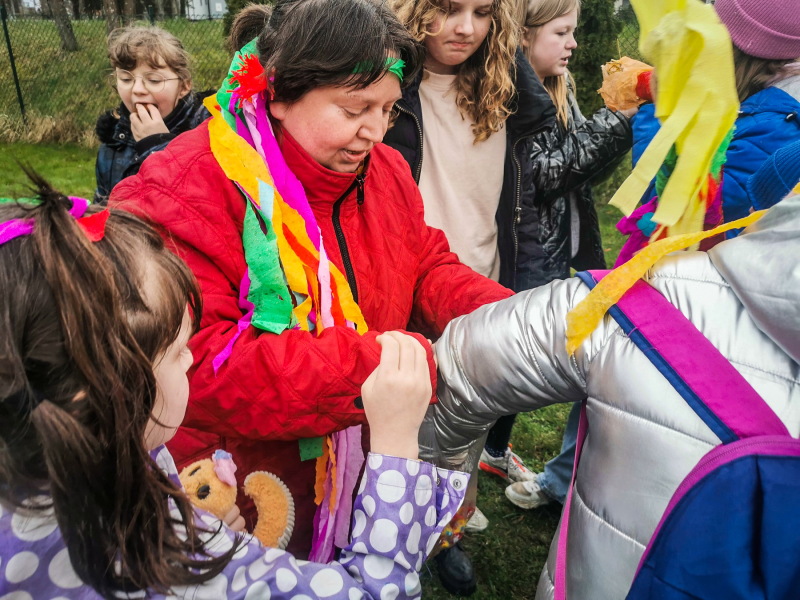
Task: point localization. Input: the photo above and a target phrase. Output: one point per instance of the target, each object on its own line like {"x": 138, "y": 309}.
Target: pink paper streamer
{"x": 333, "y": 530}
{"x": 351, "y": 471}
{"x": 243, "y": 323}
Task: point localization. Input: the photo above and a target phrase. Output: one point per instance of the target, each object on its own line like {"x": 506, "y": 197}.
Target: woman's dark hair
{"x": 308, "y": 44}
{"x": 81, "y": 326}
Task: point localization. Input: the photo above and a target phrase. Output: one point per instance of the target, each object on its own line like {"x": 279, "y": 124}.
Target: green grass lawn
{"x": 509, "y": 555}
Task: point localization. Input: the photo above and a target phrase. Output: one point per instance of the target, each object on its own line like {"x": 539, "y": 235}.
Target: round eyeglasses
{"x": 125, "y": 80}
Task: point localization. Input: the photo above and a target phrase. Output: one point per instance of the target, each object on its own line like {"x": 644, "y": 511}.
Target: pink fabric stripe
{"x": 704, "y": 369}
{"x": 560, "y": 584}
{"x": 772, "y": 445}
{"x": 243, "y": 323}
{"x": 14, "y": 229}
{"x": 287, "y": 184}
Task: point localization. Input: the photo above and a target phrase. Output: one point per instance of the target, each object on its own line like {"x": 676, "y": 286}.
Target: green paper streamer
{"x": 310, "y": 448}
{"x": 268, "y": 289}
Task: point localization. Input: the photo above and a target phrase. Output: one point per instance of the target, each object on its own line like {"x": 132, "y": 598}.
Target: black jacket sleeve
{"x": 563, "y": 161}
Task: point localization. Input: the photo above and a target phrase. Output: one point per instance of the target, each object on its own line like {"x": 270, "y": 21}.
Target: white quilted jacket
{"x": 510, "y": 357}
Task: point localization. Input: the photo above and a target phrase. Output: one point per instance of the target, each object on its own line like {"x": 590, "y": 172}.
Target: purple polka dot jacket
{"x": 401, "y": 509}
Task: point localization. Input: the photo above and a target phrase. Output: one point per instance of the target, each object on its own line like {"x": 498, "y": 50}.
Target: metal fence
{"x": 71, "y": 86}
{"x": 40, "y": 78}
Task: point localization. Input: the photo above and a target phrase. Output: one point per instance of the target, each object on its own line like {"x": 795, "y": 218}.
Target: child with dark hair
{"x": 95, "y": 320}
{"x": 152, "y": 77}
{"x": 308, "y": 239}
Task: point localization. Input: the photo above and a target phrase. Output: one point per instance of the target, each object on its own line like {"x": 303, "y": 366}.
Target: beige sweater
{"x": 460, "y": 181}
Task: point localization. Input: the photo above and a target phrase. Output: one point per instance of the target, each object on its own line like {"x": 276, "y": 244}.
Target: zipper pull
{"x": 360, "y": 190}
{"x": 518, "y": 210}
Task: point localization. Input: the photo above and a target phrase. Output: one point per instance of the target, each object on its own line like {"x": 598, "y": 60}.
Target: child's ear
{"x": 185, "y": 89}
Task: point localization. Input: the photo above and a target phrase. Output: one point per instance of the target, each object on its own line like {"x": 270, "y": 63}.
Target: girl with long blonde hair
{"x": 465, "y": 127}
{"x": 563, "y": 161}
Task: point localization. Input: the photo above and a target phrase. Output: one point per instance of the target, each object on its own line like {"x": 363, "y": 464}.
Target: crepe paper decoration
{"x": 15, "y": 228}
{"x": 696, "y": 101}
{"x": 79, "y": 206}
{"x": 620, "y": 89}
{"x": 643, "y": 89}
{"x": 94, "y": 225}
{"x": 224, "y": 467}
{"x": 321, "y": 470}
{"x": 393, "y": 65}
{"x": 249, "y": 79}
{"x": 244, "y": 323}
{"x": 584, "y": 318}
{"x": 350, "y": 460}
{"x": 290, "y": 282}
{"x": 311, "y": 448}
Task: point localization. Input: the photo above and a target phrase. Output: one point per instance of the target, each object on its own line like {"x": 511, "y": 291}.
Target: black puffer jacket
{"x": 564, "y": 160}
{"x": 120, "y": 156}
{"x": 517, "y": 218}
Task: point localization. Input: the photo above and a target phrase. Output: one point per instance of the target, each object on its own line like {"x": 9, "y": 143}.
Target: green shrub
{"x": 597, "y": 35}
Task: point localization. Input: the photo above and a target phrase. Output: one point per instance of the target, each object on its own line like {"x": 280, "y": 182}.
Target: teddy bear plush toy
{"x": 211, "y": 486}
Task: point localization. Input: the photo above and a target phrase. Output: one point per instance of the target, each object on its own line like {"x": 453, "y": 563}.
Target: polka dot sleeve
{"x": 401, "y": 509}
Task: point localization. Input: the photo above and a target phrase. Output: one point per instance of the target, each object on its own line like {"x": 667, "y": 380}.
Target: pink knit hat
{"x": 763, "y": 28}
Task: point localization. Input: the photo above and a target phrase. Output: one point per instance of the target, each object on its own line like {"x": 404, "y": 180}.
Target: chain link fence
{"x": 65, "y": 90}
{"x": 60, "y": 93}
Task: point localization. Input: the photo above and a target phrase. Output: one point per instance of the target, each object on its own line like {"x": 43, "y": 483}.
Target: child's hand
{"x": 146, "y": 121}
{"x": 396, "y": 396}
{"x": 234, "y": 520}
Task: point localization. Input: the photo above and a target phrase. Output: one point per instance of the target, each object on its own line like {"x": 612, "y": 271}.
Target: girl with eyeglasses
{"x": 151, "y": 74}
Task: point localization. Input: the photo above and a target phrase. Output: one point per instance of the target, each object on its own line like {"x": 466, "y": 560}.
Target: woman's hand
{"x": 396, "y": 396}
{"x": 146, "y": 121}
{"x": 234, "y": 520}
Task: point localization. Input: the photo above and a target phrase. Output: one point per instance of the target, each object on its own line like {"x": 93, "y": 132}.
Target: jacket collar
{"x": 322, "y": 186}
{"x": 532, "y": 107}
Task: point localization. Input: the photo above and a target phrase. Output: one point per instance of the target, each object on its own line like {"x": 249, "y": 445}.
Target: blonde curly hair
{"x": 484, "y": 82}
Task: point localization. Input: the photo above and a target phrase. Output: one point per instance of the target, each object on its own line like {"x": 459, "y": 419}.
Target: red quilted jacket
{"x": 276, "y": 389}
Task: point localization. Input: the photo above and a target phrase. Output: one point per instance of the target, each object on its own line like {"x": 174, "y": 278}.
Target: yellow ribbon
{"x": 584, "y": 318}
{"x": 696, "y": 101}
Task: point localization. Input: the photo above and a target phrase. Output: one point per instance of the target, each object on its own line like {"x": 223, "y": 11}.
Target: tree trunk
{"x": 129, "y": 11}
{"x": 160, "y": 10}
{"x": 64, "y": 26}
{"x": 112, "y": 16}
{"x": 176, "y": 9}
{"x": 81, "y": 8}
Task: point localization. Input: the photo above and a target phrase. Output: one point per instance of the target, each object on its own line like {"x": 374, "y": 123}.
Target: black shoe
{"x": 456, "y": 572}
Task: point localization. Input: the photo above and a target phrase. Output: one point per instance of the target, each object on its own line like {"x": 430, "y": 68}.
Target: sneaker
{"x": 477, "y": 522}
{"x": 527, "y": 494}
{"x": 509, "y": 466}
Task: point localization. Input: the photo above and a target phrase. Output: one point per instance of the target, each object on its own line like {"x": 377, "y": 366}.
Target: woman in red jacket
{"x": 334, "y": 70}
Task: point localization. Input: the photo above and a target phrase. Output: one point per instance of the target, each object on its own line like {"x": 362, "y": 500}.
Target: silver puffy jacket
{"x": 510, "y": 357}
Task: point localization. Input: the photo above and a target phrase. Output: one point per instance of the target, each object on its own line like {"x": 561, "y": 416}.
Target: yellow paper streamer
{"x": 696, "y": 101}
{"x": 583, "y": 319}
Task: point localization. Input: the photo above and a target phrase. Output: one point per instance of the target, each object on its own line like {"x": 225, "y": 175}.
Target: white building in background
{"x": 32, "y": 5}
{"x": 197, "y": 10}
